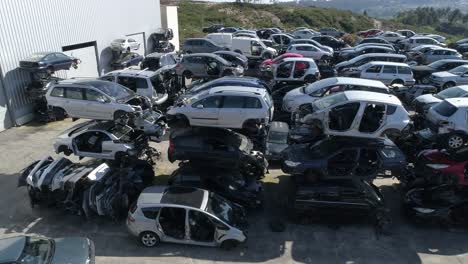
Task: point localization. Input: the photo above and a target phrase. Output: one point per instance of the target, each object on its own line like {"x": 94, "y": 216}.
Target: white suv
{"x": 143, "y": 82}
{"x": 226, "y": 106}
{"x": 390, "y": 73}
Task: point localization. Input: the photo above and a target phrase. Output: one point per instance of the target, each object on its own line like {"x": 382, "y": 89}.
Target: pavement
{"x": 308, "y": 243}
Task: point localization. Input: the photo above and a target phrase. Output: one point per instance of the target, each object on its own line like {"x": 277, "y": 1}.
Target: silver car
{"x": 186, "y": 215}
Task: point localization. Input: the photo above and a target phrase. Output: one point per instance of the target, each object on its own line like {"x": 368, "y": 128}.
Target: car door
{"x": 300, "y": 70}
{"x": 98, "y": 105}
{"x": 172, "y": 223}
{"x": 198, "y": 66}
{"x": 74, "y": 103}
{"x": 231, "y": 113}
{"x": 389, "y": 73}
{"x": 206, "y": 111}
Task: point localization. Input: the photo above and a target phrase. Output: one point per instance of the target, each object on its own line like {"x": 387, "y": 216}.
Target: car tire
{"x": 181, "y": 122}
{"x": 309, "y": 79}
{"x": 425, "y": 80}
{"x": 128, "y": 49}
{"x": 229, "y": 244}
{"x": 66, "y": 151}
{"x": 149, "y": 239}
{"x": 454, "y": 142}
{"x": 448, "y": 85}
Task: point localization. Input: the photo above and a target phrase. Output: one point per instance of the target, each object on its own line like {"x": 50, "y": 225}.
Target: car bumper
{"x": 131, "y": 228}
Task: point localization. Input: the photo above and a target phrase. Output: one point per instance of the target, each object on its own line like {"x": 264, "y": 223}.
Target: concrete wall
{"x": 169, "y": 19}
{"x": 29, "y": 26}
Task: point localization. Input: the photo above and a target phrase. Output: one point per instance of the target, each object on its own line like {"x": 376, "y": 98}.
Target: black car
{"x": 156, "y": 60}
{"x": 228, "y": 183}
{"x": 49, "y": 62}
{"x": 126, "y": 60}
{"x": 228, "y": 30}
{"x": 222, "y": 148}
{"x": 330, "y": 41}
{"x": 422, "y": 73}
{"x": 339, "y": 200}
{"x": 213, "y": 28}
{"x": 342, "y": 157}
{"x": 444, "y": 204}
{"x": 234, "y": 57}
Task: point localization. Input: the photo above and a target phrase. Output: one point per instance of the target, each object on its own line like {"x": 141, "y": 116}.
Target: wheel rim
{"x": 455, "y": 142}
{"x": 148, "y": 240}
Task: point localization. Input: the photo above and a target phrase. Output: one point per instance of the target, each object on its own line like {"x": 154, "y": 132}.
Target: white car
{"x": 312, "y": 92}
{"x": 101, "y": 140}
{"x": 414, "y": 42}
{"x": 142, "y": 82}
{"x": 125, "y": 44}
{"x": 447, "y": 120}
{"x": 454, "y": 77}
{"x": 296, "y": 70}
{"x": 309, "y": 51}
{"x": 425, "y": 101}
{"x": 390, "y": 73}
{"x": 95, "y": 99}
{"x": 252, "y": 48}
{"x": 365, "y": 58}
{"x": 305, "y": 34}
{"x": 358, "y": 114}
{"x": 391, "y": 36}
{"x": 439, "y": 38}
{"x": 225, "y": 106}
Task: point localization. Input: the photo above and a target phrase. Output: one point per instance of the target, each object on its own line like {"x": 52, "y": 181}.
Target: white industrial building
{"x": 82, "y": 28}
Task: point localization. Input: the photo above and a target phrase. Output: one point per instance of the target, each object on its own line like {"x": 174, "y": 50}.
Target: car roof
{"x": 373, "y": 47}
{"x": 151, "y": 195}
{"x": 372, "y": 97}
{"x": 442, "y": 48}
{"x": 303, "y": 44}
{"x": 349, "y": 81}
{"x": 452, "y": 60}
{"x": 458, "y": 102}
{"x": 241, "y": 89}
{"x": 11, "y": 248}
{"x": 380, "y": 55}
{"x": 185, "y": 196}
{"x": 388, "y": 63}
{"x": 201, "y": 54}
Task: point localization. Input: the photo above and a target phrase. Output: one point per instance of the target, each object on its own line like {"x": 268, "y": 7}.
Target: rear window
{"x": 150, "y": 212}
{"x": 445, "y": 109}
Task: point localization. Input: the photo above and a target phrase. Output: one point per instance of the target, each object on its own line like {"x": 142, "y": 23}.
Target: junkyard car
{"x": 267, "y": 65}
{"x": 392, "y": 37}
{"x": 296, "y": 70}
{"x": 312, "y": 42}
{"x": 305, "y": 33}
{"x": 309, "y": 51}
{"x": 390, "y": 73}
{"x": 200, "y": 45}
{"x": 95, "y": 99}
{"x": 218, "y": 148}
{"x": 234, "y": 58}
{"x": 422, "y": 72}
{"x": 125, "y": 44}
{"x": 446, "y": 79}
{"x": 49, "y": 61}
{"x": 422, "y": 103}
{"x": 331, "y": 32}
{"x": 277, "y": 140}
{"x": 103, "y": 140}
{"x": 90, "y": 188}
{"x": 418, "y": 41}
{"x": 343, "y": 157}
{"x": 351, "y": 65}
{"x": 156, "y": 60}
{"x": 349, "y": 54}
{"x": 330, "y": 41}
{"x": 206, "y": 65}
{"x": 229, "y": 183}
{"x": 188, "y": 216}
{"x": 373, "y": 40}
{"x": 436, "y": 54}
{"x": 126, "y": 60}
{"x": 220, "y": 107}
{"x": 308, "y": 94}
{"x": 358, "y": 114}
{"x": 447, "y": 120}
{"x": 35, "y": 249}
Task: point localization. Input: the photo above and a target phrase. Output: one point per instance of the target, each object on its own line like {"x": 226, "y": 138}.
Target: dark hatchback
{"x": 422, "y": 73}
{"x": 343, "y": 157}
{"x": 48, "y": 61}
{"x": 127, "y": 60}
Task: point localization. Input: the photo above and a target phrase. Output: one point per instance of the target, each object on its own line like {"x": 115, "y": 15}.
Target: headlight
{"x": 424, "y": 210}
{"x": 292, "y": 163}
{"x": 437, "y": 166}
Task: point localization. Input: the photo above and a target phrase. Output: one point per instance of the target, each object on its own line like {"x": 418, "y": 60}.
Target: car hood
{"x": 422, "y": 68}
{"x": 72, "y": 250}
{"x": 427, "y": 99}
{"x": 443, "y": 74}
{"x": 293, "y": 93}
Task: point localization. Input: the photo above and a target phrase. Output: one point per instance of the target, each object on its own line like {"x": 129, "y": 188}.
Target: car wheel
{"x": 455, "y": 141}
{"x": 448, "y": 85}
{"x": 425, "y": 80}
{"x": 66, "y": 151}
{"x": 181, "y": 122}
{"x": 149, "y": 239}
{"x": 397, "y": 82}
{"x": 309, "y": 79}
{"x": 128, "y": 49}
{"x": 229, "y": 244}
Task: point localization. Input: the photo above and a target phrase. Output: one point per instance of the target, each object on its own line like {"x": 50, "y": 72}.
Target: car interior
{"x": 91, "y": 141}
{"x": 172, "y": 221}
{"x": 202, "y": 228}
{"x": 342, "y": 117}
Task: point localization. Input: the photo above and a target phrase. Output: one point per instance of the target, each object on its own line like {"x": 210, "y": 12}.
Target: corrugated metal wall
{"x": 28, "y": 26}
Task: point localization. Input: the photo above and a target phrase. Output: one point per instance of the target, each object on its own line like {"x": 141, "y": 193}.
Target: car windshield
{"x": 330, "y": 100}
{"x": 458, "y": 70}
{"x": 278, "y": 137}
{"x": 220, "y": 207}
{"x": 113, "y": 90}
{"x": 445, "y": 108}
{"x": 37, "y": 251}
{"x": 451, "y": 93}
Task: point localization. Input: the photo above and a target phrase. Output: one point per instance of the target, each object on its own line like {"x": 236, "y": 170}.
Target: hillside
{"x": 193, "y": 16}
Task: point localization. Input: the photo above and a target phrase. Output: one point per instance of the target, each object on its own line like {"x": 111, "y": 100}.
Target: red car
{"x": 436, "y": 167}
{"x": 278, "y": 60}
{"x": 368, "y": 33}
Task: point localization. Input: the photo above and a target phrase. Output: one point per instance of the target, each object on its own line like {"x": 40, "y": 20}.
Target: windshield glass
{"x": 220, "y": 207}
{"x": 36, "y": 251}
{"x": 278, "y": 137}
{"x": 444, "y": 108}
{"x": 458, "y": 70}
{"x": 451, "y": 93}
{"x": 330, "y": 100}
{"x": 113, "y": 90}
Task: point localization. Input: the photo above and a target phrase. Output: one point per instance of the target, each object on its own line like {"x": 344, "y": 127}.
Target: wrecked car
{"x": 90, "y": 188}
{"x": 49, "y": 62}
{"x": 126, "y": 60}
{"x": 422, "y": 72}
{"x": 234, "y": 58}
{"x": 206, "y": 65}
{"x": 277, "y": 140}
{"x": 357, "y": 114}
{"x": 156, "y": 60}
{"x": 342, "y": 157}
{"x": 445, "y": 205}
{"x": 217, "y": 147}
{"x": 102, "y": 140}
{"x": 333, "y": 201}
{"x": 422, "y": 103}
{"x": 186, "y": 215}
{"x": 229, "y": 183}
{"x": 95, "y": 99}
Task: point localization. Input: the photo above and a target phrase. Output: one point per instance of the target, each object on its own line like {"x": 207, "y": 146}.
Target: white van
{"x": 222, "y": 39}
{"x": 252, "y": 48}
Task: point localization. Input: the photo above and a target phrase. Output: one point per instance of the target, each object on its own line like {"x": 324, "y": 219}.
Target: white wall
{"x": 29, "y": 26}
{"x": 169, "y": 17}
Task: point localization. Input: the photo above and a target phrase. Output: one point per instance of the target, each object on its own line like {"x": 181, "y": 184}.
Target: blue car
{"x": 127, "y": 60}
{"x": 49, "y": 62}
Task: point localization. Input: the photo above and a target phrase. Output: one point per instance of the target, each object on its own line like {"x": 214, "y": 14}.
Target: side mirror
{"x": 200, "y": 106}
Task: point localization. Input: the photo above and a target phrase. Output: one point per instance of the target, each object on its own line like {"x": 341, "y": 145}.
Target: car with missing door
{"x": 206, "y": 65}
